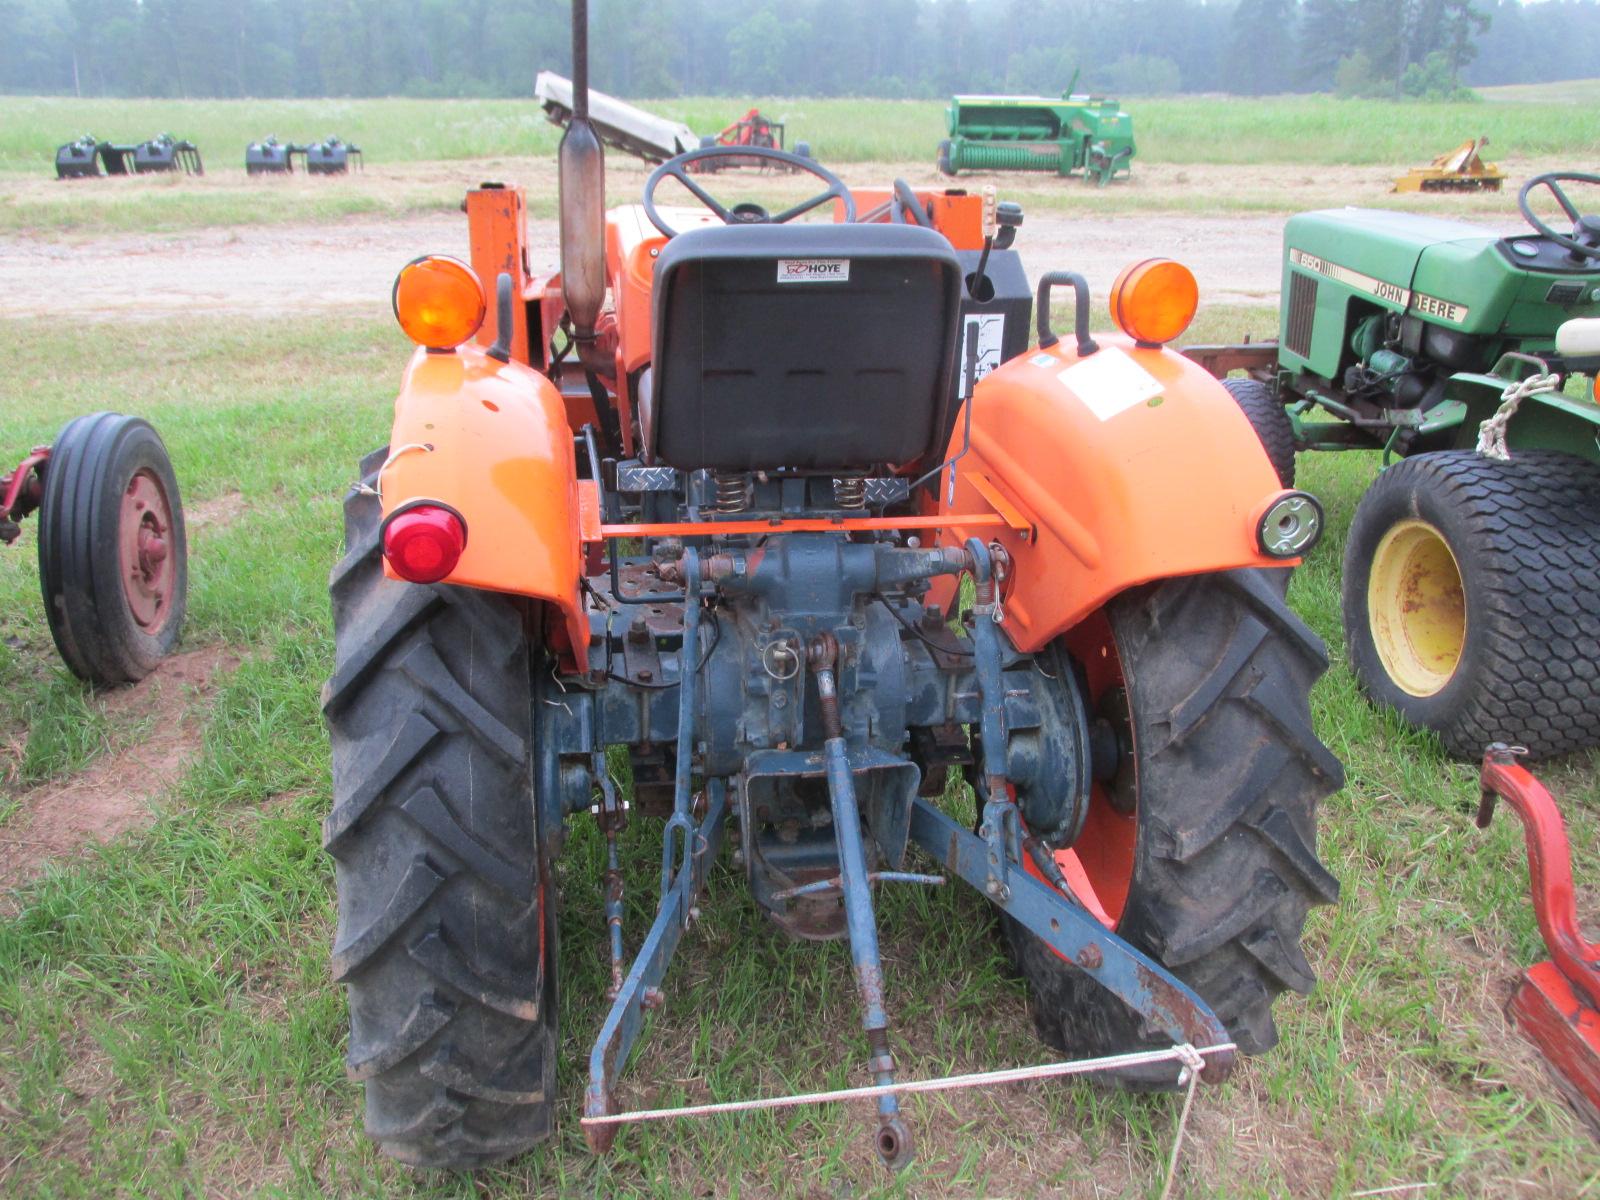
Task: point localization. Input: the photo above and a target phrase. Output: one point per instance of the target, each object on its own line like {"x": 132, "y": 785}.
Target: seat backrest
{"x": 814, "y": 347}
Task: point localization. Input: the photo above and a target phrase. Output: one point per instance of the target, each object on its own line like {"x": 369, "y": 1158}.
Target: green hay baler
{"x": 1088, "y": 134}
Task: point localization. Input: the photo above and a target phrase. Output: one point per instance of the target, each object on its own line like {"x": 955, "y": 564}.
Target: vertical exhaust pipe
{"x": 583, "y": 201}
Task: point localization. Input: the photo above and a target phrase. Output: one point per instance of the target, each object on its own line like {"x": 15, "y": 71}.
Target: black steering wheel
{"x": 744, "y": 214}
{"x": 1587, "y": 227}
{"x": 906, "y": 209}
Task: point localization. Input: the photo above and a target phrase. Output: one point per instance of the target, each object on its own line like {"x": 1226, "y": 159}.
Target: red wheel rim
{"x": 149, "y": 567}
{"x": 1099, "y": 865}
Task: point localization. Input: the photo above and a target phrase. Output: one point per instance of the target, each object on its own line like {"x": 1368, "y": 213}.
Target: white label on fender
{"x": 987, "y": 331}
{"x": 813, "y": 270}
{"x": 1110, "y": 382}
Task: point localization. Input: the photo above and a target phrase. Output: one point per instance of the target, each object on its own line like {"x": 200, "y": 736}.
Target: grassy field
{"x": 167, "y": 1027}
{"x": 1188, "y": 130}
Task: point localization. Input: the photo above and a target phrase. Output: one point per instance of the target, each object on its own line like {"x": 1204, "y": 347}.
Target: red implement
{"x": 21, "y": 491}
{"x": 1557, "y": 1004}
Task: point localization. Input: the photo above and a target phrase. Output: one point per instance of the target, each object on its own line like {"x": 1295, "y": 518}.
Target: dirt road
{"x": 349, "y": 263}
{"x": 266, "y": 271}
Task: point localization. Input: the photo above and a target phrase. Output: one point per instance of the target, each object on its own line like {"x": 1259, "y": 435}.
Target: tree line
{"x": 889, "y": 48}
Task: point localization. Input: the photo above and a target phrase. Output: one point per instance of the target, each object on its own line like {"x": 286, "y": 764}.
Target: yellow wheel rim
{"x": 1416, "y": 608}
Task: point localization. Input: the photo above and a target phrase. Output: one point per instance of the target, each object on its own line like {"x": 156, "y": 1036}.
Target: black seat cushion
{"x": 815, "y": 347}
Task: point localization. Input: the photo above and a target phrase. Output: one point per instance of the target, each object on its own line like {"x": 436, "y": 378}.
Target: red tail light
{"x": 424, "y": 544}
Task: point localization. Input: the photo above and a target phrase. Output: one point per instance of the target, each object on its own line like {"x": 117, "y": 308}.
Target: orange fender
{"x": 1131, "y": 465}
{"x": 491, "y": 440}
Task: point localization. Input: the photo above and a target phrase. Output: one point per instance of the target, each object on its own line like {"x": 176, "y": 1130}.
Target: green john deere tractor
{"x": 1472, "y": 569}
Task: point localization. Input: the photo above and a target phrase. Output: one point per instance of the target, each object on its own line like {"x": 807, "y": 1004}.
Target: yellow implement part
{"x": 1462, "y": 170}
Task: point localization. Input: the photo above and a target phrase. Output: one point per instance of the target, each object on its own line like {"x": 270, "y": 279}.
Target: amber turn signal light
{"x": 438, "y": 301}
{"x": 424, "y": 543}
{"x": 1153, "y": 301}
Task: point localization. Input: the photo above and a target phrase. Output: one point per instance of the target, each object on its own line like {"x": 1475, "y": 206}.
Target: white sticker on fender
{"x": 813, "y": 270}
{"x": 987, "y": 333}
{"x": 1110, "y": 382}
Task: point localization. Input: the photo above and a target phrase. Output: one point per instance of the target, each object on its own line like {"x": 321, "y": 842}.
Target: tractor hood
{"x": 1449, "y": 273}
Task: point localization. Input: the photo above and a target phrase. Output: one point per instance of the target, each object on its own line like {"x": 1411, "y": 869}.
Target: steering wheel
{"x": 906, "y": 209}
{"x": 1582, "y": 226}
{"x": 744, "y": 214}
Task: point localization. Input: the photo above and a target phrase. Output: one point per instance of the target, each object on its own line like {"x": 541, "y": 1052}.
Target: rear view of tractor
{"x": 1472, "y": 568}
{"x": 710, "y": 499}
{"x": 752, "y": 129}
{"x": 1087, "y": 135}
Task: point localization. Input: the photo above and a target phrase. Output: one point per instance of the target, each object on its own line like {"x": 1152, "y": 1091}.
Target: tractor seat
{"x": 811, "y": 347}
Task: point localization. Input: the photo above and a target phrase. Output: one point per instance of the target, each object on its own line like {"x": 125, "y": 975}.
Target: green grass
{"x": 1190, "y": 129}
{"x": 167, "y": 1027}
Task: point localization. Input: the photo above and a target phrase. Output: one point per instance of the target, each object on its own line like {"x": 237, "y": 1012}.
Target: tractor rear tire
{"x": 1472, "y": 598}
{"x": 1226, "y": 773}
{"x": 1271, "y": 422}
{"x": 113, "y": 562}
{"x": 446, "y": 930}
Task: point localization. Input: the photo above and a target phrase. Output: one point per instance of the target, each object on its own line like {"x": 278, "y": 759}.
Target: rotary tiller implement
{"x": 272, "y": 157}
{"x": 709, "y": 496}
{"x": 88, "y": 156}
{"x": 112, "y": 555}
{"x": 332, "y": 156}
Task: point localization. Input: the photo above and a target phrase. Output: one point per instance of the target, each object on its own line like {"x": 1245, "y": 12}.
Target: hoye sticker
{"x": 1043, "y": 360}
{"x": 986, "y": 333}
{"x": 813, "y": 270}
{"x": 1110, "y": 382}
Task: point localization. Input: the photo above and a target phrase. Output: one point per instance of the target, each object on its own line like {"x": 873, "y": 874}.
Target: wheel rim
{"x": 1099, "y": 865}
{"x": 148, "y": 566}
{"x": 1416, "y": 608}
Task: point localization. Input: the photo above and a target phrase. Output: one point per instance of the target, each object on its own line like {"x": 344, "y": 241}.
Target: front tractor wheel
{"x": 1472, "y": 598}
{"x": 446, "y": 930}
{"x": 1270, "y": 420}
{"x": 1200, "y": 849}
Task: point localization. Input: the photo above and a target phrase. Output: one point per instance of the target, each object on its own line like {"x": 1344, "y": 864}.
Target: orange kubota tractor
{"x": 710, "y": 495}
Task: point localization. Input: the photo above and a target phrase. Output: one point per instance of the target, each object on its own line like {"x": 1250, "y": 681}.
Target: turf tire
{"x": 1271, "y": 422}
{"x": 943, "y": 159}
{"x": 1525, "y": 534}
{"x": 1229, "y": 774}
{"x": 80, "y": 569}
{"x": 446, "y": 913}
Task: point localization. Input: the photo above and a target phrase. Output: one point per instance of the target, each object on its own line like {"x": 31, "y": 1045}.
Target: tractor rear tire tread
{"x": 1219, "y": 671}
{"x": 1271, "y": 422}
{"x": 443, "y": 890}
{"x": 1526, "y": 536}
